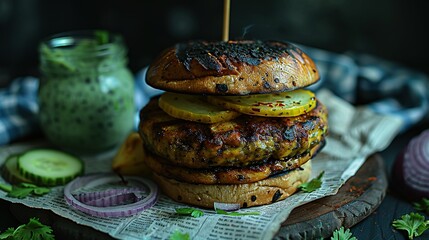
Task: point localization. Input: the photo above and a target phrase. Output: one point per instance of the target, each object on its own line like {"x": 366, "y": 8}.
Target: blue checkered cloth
{"x": 382, "y": 86}
{"x": 18, "y": 109}
{"x": 359, "y": 79}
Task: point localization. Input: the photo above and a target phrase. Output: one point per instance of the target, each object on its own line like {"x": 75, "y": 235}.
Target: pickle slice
{"x": 284, "y": 104}
{"x": 194, "y": 108}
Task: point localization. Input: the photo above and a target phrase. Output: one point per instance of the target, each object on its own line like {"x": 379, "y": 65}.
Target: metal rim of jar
{"x": 71, "y": 38}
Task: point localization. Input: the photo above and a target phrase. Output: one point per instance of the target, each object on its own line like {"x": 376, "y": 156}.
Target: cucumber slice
{"x": 49, "y": 167}
{"x": 10, "y": 173}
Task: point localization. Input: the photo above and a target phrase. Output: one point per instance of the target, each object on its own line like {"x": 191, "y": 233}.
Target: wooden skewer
{"x": 226, "y": 10}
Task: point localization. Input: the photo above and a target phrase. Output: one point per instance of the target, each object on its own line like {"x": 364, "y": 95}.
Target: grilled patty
{"x": 227, "y": 175}
{"x": 242, "y": 141}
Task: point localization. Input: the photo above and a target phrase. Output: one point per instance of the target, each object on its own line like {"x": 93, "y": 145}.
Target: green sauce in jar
{"x": 86, "y": 93}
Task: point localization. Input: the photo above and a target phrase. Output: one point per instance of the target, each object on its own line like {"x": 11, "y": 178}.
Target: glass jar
{"x": 86, "y": 93}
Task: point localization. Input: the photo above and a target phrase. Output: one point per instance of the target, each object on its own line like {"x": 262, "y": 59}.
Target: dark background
{"x": 391, "y": 29}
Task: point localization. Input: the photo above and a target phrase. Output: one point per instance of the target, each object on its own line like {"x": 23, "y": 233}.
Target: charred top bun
{"x": 232, "y": 68}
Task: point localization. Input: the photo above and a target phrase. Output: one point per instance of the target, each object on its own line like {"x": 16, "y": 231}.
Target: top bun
{"x": 232, "y": 68}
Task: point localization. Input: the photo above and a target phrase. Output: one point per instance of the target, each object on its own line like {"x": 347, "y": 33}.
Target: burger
{"x": 235, "y": 124}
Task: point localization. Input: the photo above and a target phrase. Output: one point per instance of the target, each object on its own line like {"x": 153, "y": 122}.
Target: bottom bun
{"x": 262, "y": 192}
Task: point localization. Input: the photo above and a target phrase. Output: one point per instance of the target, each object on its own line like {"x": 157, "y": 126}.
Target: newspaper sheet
{"x": 355, "y": 133}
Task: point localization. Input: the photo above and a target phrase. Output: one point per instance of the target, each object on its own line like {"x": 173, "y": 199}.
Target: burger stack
{"x": 235, "y": 124}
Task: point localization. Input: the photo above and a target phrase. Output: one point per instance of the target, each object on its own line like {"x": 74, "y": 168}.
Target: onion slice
{"x": 226, "y": 206}
{"x": 92, "y": 198}
{"x": 114, "y": 200}
{"x": 139, "y": 194}
{"x": 411, "y": 170}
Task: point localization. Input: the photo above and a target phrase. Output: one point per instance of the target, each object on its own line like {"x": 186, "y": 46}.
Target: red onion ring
{"x": 411, "y": 170}
{"x": 226, "y": 206}
{"x": 416, "y": 163}
{"x": 103, "y": 205}
{"x": 92, "y": 198}
{"x": 114, "y": 200}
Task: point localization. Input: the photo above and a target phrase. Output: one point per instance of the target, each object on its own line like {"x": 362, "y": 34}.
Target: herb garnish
{"x": 101, "y": 36}
{"x": 177, "y": 235}
{"x": 422, "y": 205}
{"x": 219, "y": 211}
{"x": 5, "y": 187}
{"x": 341, "y": 234}
{"x": 198, "y": 213}
{"x": 190, "y": 212}
{"x": 414, "y": 223}
{"x": 32, "y": 230}
{"x": 312, "y": 185}
{"x": 23, "y": 190}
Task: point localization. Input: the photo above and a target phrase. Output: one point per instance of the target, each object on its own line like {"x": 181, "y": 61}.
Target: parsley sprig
{"x": 23, "y": 190}
{"x": 177, "y": 235}
{"x": 312, "y": 185}
{"x": 414, "y": 223}
{"x": 341, "y": 234}
{"x": 32, "y": 230}
{"x": 190, "y": 212}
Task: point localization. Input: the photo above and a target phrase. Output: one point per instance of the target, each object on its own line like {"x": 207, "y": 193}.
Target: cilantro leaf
{"x": 177, "y": 235}
{"x": 414, "y": 223}
{"x": 19, "y": 192}
{"x": 219, "y": 211}
{"x": 27, "y": 185}
{"x": 340, "y": 234}
{"x": 190, "y": 212}
{"x": 32, "y": 230}
{"x": 197, "y": 213}
{"x": 39, "y": 191}
{"x": 101, "y": 36}
{"x": 422, "y": 205}
{"x": 312, "y": 185}
{"x": 5, "y": 187}
{"x": 8, "y": 234}
{"x": 25, "y": 189}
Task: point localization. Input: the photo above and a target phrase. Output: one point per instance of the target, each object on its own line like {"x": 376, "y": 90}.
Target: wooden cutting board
{"x": 356, "y": 199}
